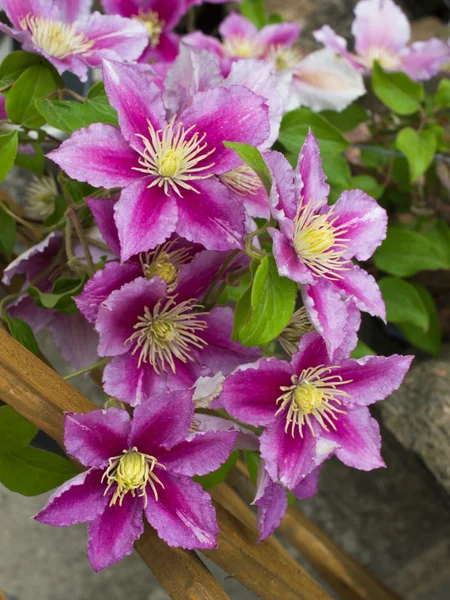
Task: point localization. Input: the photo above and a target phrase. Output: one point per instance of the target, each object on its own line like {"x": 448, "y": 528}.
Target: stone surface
{"x": 418, "y": 414}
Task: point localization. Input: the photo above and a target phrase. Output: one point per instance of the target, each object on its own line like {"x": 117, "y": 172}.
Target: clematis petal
{"x": 283, "y": 197}
{"x": 327, "y": 312}
{"x": 271, "y": 500}
{"x": 164, "y": 53}
{"x": 364, "y": 222}
{"x": 169, "y": 11}
{"x": 307, "y": 488}
{"x": 358, "y": 436}
{"x": 423, "y": 60}
{"x": 279, "y": 34}
{"x": 309, "y": 169}
{"x": 126, "y": 8}
{"x": 336, "y": 43}
{"x": 119, "y": 313}
{"x": 112, "y": 534}
{"x": 288, "y": 263}
{"x": 112, "y": 277}
{"x": 237, "y": 25}
{"x": 183, "y": 516}
{"x": 380, "y": 24}
{"x": 79, "y": 500}
{"x": 200, "y": 454}
{"x": 124, "y": 380}
{"x": 95, "y": 437}
{"x": 145, "y": 217}
{"x": 352, "y": 328}
{"x": 362, "y": 287}
{"x": 34, "y": 260}
{"x": 133, "y": 93}
{"x": 75, "y": 338}
{"x": 103, "y": 211}
{"x": 211, "y": 216}
{"x": 16, "y": 10}
{"x": 312, "y": 352}
{"x": 99, "y": 155}
{"x": 195, "y": 277}
{"x": 289, "y": 458}
{"x": 250, "y": 393}
{"x": 373, "y": 378}
{"x": 162, "y": 423}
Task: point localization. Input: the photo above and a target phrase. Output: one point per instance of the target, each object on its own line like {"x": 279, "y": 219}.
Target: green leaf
{"x": 439, "y": 234}
{"x": 32, "y": 162}
{"x": 404, "y": 253}
{"x": 263, "y": 312}
{"x": 78, "y": 191}
{"x": 295, "y": 127}
{"x": 430, "y": 341}
{"x": 419, "y": 148}
{"x": 252, "y": 157}
{"x": 400, "y": 93}
{"x": 347, "y": 119}
{"x": 30, "y": 471}
{"x": 69, "y": 115}
{"x": 61, "y": 296}
{"x": 254, "y": 10}
{"x": 367, "y": 184}
{"x": 252, "y": 461}
{"x": 58, "y": 212}
{"x": 362, "y": 350}
{"x": 403, "y": 303}
{"x": 7, "y": 234}
{"x": 275, "y": 19}
{"x": 15, "y": 64}
{"x": 8, "y": 151}
{"x": 337, "y": 170}
{"x": 23, "y": 333}
{"x": 34, "y": 83}
{"x": 216, "y": 477}
{"x": 442, "y": 97}
{"x": 15, "y": 430}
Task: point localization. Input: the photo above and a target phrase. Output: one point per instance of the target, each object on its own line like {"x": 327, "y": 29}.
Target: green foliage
{"x": 430, "y": 340}
{"x": 212, "y": 479}
{"x": 61, "y": 296}
{"x": 347, "y": 119}
{"x": 254, "y": 11}
{"x": 31, "y": 162}
{"x": 404, "y": 303}
{"x": 266, "y": 307}
{"x": 58, "y": 213}
{"x": 15, "y": 64}
{"x": 24, "y": 469}
{"x": 404, "y": 253}
{"x": 296, "y": 125}
{"x": 367, "y": 184}
{"x": 7, "y": 234}
{"x": 362, "y": 350}
{"x": 442, "y": 97}
{"x": 8, "y": 151}
{"x": 252, "y": 461}
{"x": 23, "y": 333}
{"x": 400, "y": 93}
{"x": 419, "y": 148}
{"x": 252, "y": 157}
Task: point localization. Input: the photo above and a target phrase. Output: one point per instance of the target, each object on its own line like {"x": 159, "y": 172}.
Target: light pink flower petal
{"x": 103, "y": 211}
{"x": 271, "y": 500}
{"x": 352, "y": 328}
{"x": 279, "y": 34}
{"x": 250, "y": 393}
{"x": 363, "y": 221}
{"x": 75, "y": 338}
{"x": 423, "y": 60}
{"x": 362, "y": 287}
{"x": 358, "y": 436}
{"x": 307, "y": 488}
{"x": 288, "y": 263}
{"x": 79, "y": 500}
{"x": 16, "y": 10}
{"x": 336, "y": 43}
{"x": 380, "y": 24}
{"x": 163, "y": 54}
{"x": 237, "y": 25}
{"x": 183, "y": 516}
{"x": 199, "y": 40}
{"x": 95, "y": 437}
{"x": 283, "y": 197}
{"x": 34, "y": 260}
{"x": 309, "y": 169}
{"x": 145, "y": 217}
{"x": 112, "y": 534}
{"x": 99, "y": 155}
{"x": 126, "y": 8}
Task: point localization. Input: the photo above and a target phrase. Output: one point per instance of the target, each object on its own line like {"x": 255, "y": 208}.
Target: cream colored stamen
{"x": 55, "y": 38}
{"x": 318, "y": 242}
{"x": 294, "y": 330}
{"x": 242, "y": 47}
{"x": 385, "y": 57}
{"x": 132, "y": 471}
{"x": 171, "y": 155}
{"x": 284, "y": 58}
{"x": 242, "y": 180}
{"x": 165, "y": 263}
{"x": 153, "y": 23}
{"x": 313, "y": 394}
{"x": 168, "y": 332}
{"x": 40, "y": 197}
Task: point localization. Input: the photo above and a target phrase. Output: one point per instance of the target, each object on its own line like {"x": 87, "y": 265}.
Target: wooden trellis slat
{"x": 38, "y": 393}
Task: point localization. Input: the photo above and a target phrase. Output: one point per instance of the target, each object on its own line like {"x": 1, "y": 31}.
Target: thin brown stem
{"x": 80, "y": 233}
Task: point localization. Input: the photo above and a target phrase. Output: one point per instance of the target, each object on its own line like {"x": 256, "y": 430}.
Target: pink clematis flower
{"x": 168, "y": 168}
{"x": 70, "y": 37}
{"x": 316, "y": 242}
{"x": 313, "y": 407}
{"x": 139, "y": 466}
{"x": 382, "y": 31}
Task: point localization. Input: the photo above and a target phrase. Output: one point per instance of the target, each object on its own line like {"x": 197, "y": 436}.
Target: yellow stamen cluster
{"x": 153, "y": 23}
{"x": 385, "y": 57}
{"x": 171, "y": 155}
{"x": 312, "y": 394}
{"x": 242, "y": 180}
{"x": 164, "y": 263}
{"x": 243, "y": 47}
{"x": 318, "y": 243}
{"x": 284, "y": 58}
{"x": 167, "y": 332}
{"x": 40, "y": 197}
{"x": 132, "y": 471}
{"x": 55, "y": 38}
{"x": 294, "y": 330}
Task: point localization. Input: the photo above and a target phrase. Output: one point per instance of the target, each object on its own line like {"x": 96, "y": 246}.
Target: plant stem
{"x": 96, "y": 365}
{"x": 80, "y": 233}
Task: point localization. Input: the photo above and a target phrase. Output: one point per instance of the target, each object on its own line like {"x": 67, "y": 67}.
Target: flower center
{"x": 386, "y": 58}
{"x": 283, "y": 58}
{"x": 295, "y": 329}
{"x": 40, "y": 197}
{"x": 152, "y": 22}
{"x": 242, "y": 47}
{"x": 55, "y": 38}
{"x": 171, "y": 155}
{"x": 318, "y": 244}
{"x": 165, "y": 263}
{"x": 168, "y": 332}
{"x": 132, "y": 471}
{"x": 243, "y": 181}
{"x": 313, "y": 394}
